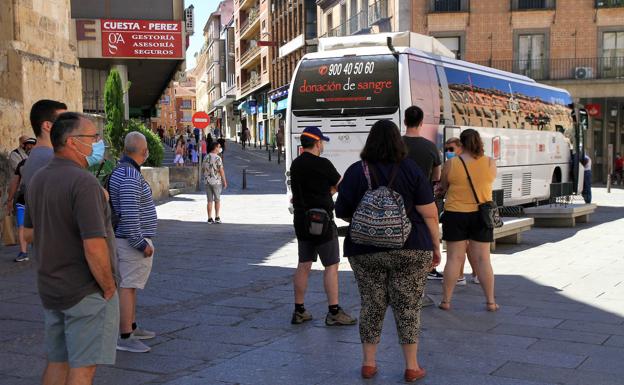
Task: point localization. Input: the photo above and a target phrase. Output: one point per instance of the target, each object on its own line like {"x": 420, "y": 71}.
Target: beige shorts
{"x": 134, "y": 268}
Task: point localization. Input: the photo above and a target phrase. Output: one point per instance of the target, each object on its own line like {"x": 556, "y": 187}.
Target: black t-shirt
{"x": 19, "y": 195}
{"x": 311, "y": 180}
{"x": 424, "y": 152}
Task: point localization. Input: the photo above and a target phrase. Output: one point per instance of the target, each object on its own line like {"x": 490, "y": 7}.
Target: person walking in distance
{"x": 179, "y": 152}
{"x": 18, "y": 154}
{"x": 395, "y": 276}
{"x": 215, "y": 181}
{"x": 462, "y": 221}
{"x": 313, "y": 182}
{"x": 131, "y": 198}
{"x": 587, "y": 178}
{"x": 69, "y": 221}
{"x": 424, "y": 152}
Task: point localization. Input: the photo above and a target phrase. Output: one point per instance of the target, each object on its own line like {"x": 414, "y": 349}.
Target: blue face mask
{"x": 450, "y": 155}
{"x": 97, "y": 155}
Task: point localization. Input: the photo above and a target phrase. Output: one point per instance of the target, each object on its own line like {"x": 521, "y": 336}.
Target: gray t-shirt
{"x": 39, "y": 157}
{"x": 424, "y": 152}
{"x": 65, "y": 204}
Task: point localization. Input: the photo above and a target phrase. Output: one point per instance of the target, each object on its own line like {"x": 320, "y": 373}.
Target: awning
{"x": 282, "y": 104}
{"x": 224, "y": 101}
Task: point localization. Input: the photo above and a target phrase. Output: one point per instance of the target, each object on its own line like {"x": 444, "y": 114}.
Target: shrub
{"x": 114, "y": 109}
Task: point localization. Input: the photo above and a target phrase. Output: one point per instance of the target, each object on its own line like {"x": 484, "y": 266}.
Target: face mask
{"x": 450, "y": 155}
{"x": 220, "y": 150}
{"x": 97, "y": 155}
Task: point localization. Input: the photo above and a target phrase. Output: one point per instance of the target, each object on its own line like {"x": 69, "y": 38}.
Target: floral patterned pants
{"x": 396, "y": 278}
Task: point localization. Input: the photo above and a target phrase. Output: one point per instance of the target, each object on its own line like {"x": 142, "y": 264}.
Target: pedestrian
{"x": 215, "y": 181}
{"x": 194, "y": 156}
{"x": 462, "y": 222}
{"x": 196, "y": 134}
{"x": 386, "y": 276}
{"x": 426, "y": 155}
{"x": 68, "y": 220}
{"x": 587, "y": 178}
{"x": 179, "y": 152}
{"x": 204, "y": 148}
{"x": 131, "y": 198}
{"x": 217, "y": 132}
{"x": 619, "y": 169}
{"x": 313, "y": 182}
{"x": 452, "y": 148}
{"x": 189, "y": 151}
{"x": 16, "y": 203}
{"x": 246, "y": 137}
{"x": 221, "y": 142}
{"x": 18, "y": 154}
{"x": 42, "y": 116}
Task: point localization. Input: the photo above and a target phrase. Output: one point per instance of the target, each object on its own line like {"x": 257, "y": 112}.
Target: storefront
{"x": 277, "y": 114}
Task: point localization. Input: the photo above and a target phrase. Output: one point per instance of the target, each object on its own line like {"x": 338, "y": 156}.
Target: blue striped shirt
{"x": 131, "y": 197}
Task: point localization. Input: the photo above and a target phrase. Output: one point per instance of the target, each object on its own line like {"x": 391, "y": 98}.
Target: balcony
{"x": 609, "y": 3}
{"x": 244, "y": 4}
{"x": 253, "y": 16}
{"x": 436, "y": 6}
{"x": 358, "y": 23}
{"x": 563, "y": 69}
{"x": 253, "y": 82}
{"x": 531, "y": 5}
{"x": 378, "y": 12}
{"x": 248, "y": 55}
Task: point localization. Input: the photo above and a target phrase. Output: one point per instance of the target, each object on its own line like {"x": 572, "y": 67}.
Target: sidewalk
{"x": 220, "y": 299}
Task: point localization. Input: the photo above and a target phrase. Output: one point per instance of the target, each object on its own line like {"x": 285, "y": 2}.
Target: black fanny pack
{"x": 317, "y": 222}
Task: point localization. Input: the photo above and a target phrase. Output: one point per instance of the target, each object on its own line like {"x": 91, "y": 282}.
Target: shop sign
{"x": 158, "y": 39}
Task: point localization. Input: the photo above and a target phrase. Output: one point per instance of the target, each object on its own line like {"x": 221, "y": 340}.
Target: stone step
{"x": 175, "y": 191}
{"x": 177, "y": 185}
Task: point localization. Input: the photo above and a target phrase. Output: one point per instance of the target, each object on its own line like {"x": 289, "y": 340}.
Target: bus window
{"x": 425, "y": 90}
{"x": 362, "y": 85}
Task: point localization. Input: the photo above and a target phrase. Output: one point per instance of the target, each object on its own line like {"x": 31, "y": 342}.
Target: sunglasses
{"x": 449, "y": 149}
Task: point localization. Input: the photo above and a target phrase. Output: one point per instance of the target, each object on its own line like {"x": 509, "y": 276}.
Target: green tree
{"x": 154, "y": 145}
{"x": 114, "y": 109}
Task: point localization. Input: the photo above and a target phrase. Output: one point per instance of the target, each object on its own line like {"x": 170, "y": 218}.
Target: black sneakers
{"x": 435, "y": 275}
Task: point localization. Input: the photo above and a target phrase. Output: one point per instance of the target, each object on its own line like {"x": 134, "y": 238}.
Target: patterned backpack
{"x": 380, "y": 219}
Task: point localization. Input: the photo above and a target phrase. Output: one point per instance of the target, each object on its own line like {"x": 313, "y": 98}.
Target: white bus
{"x": 352, "y": 82}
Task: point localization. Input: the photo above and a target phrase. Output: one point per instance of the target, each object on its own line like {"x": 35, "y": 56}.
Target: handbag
{"x": 8, "y": 231}
{"x": 488, "y": 211}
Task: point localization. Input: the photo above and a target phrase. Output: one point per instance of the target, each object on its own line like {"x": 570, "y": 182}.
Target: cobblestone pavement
{"x": 220, "y": 300}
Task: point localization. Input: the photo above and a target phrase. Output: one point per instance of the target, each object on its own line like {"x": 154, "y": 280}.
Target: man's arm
{"x": 130, "y": 201}
{"x": 15, "y": 181}
{"x": 222, "y": 173}
{"x": 436, "y": 172}
{"x": 98, "y": 259}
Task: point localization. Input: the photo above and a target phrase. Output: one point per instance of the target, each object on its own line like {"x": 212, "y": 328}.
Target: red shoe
{"x": 369, "y": 371}
{"x": 412, "y": 375}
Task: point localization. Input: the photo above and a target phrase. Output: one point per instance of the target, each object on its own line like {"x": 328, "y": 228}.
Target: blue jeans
{"x": 587, "y": 179}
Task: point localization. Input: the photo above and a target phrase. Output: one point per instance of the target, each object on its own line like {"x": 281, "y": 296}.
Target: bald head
{"x": 22, "y": 139}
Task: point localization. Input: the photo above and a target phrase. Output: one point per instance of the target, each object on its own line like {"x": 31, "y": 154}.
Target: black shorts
{"x": 329, "y": 251}
{"x": 465, "y": 226}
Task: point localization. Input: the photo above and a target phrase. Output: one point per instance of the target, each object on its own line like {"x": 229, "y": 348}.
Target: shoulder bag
{"x": 488, "y": 211}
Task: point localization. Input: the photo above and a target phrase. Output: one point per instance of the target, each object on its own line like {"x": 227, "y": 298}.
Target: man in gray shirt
{"x": 42, "y": 115}
{"x": 68, "y": 218}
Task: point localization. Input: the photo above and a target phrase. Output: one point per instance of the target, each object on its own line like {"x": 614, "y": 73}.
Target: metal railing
{"x": 609, "y": 3}
{"x": 377, "y": 11}
{"x": 449, "y": 5}
{"x": 249, "y": 53}
{"x": 358, "y": 22}
{"x": 520, "y": 5}
{"x": 250, "y": 84}
{"x": 563, "y": 69}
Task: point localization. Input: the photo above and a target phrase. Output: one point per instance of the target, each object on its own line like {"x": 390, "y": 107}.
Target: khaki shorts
{"x": 213, "y": 192}
{"x": 85, "y": 334}
{"x": 134, "y": 268}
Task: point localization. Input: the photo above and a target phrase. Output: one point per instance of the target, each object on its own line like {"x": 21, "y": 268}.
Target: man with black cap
{"x": 313, "y": 182}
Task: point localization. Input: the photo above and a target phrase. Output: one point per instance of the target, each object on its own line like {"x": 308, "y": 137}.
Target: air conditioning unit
{"x": 583, "y": 73}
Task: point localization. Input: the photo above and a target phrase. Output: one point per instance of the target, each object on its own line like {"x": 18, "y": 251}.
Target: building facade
{"x": 253, "y": 38}
{"x": 176, "y": 106}
{"x": 353, "y": 17}
{"x": 573, "y": 44}
{"x": 294, "y": 31}
{"x": 37, "y": 61}
{"x": 230, "y": 115}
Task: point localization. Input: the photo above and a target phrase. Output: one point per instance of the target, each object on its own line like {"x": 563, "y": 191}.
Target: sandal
{"x": 492, "y": 306}
{"x": 445, "y": 305}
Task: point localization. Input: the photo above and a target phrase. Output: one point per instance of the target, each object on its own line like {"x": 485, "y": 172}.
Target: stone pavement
{"x": 220, "y": 299}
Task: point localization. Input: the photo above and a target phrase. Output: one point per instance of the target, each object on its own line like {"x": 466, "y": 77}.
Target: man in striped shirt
{"x": 131, "y": 198}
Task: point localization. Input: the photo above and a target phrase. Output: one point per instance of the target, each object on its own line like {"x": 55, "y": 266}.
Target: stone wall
{"x": 158, "y": 179}
{"x": 37, "y": 61}
{"x": 186, "y": 175}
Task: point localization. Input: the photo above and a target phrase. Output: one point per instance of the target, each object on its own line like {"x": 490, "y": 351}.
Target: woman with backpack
{"x": 467, "y": 180}
{"x": 391, "y": 265}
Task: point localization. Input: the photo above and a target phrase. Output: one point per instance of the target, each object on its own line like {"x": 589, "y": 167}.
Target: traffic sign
{"x": 201, "y": 119}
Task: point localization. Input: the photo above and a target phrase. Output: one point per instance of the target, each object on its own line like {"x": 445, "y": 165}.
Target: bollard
{"x": 278, "y": 156}
{"x": 609, "y": 183}
{"x": 244, "y": 179}
{"x": 269, "y": 156}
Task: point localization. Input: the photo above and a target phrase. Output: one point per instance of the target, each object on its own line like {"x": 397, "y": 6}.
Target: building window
{"x": 453, "y": 43}
{"x": 449, "y": 5}
{"x": 612, "y": 65}
{"x": 609, "y": 3}
{"x": 518, "y": 5}
{"x": 531, "y": 56}
{"x": 330, "y": 24}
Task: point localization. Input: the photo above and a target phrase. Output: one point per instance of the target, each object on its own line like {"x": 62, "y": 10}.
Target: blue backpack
{"x": 380, "y": 218}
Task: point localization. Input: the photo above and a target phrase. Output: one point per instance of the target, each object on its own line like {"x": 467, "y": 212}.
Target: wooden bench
{"x": 559, "y": 215}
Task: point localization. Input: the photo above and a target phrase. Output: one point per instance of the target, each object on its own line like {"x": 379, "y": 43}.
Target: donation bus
{"x": 533, "y": 131}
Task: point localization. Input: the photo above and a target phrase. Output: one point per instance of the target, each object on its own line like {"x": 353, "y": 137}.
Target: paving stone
{"x": 595, "y": 327}
{"x": 153, "y": 363}
{"x": 108, "y": 375}
{"x": 247, "y": 303}
{"x": 615, "y": 341}
{"x": 548, "y": 333}
{"x": 233, "y": 335}
{"x": 547, "y": 374}
{"x": 197, "y": 349}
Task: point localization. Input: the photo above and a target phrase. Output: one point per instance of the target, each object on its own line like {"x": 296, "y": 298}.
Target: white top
{"x": 589, "y": 163}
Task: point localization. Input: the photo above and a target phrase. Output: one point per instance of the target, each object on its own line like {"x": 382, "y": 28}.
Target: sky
{"x": 203, "y": 9}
